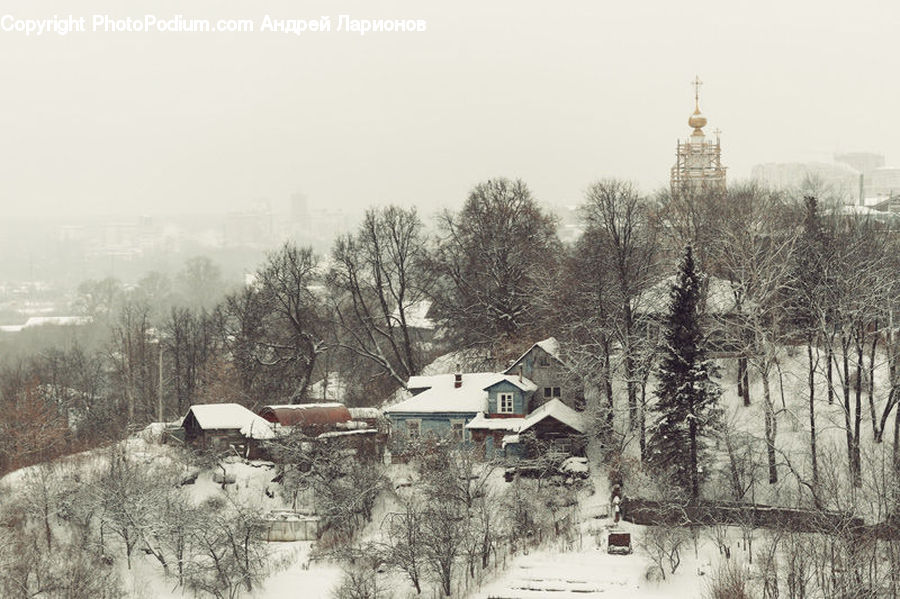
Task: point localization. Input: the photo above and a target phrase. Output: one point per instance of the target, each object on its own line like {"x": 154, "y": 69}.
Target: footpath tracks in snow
{"x": 557, "y": 579}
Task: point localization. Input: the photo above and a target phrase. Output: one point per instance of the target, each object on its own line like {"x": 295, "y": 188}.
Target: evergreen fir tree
{"x": 687, "y": 397}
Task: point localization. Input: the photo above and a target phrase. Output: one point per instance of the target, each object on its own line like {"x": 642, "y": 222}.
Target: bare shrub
{"x": 729, "y": 581}
{"x": 662, "y": 544}
{"x": 358, "y": 582}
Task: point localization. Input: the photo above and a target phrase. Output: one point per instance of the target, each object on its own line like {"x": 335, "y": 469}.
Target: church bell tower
{"x": 698, "y": 161}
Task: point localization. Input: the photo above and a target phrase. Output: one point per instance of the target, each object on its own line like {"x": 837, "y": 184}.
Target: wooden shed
{"x": 216, "y": 426}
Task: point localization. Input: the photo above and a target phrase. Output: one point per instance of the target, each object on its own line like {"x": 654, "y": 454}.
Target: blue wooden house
{"x": 443, "y": 404}
{"x": 554, "y": 379}
{"x": 493, "y": 409}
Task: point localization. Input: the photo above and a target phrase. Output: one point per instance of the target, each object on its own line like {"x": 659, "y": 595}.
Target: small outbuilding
{"x": 311, "y": 419}
{"x": 216, "y": 426}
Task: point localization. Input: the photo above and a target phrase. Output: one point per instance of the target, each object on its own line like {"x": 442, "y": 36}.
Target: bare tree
{"x": 378, "y": 281}
{"x": 276, "y": 328}
{"x": 620, "y": 221}
{"x": 486, "y": 259}
{"x": 753, "y": 253}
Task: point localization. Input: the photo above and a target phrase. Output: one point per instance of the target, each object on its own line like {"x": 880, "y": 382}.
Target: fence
{"x": 645, "y": 511}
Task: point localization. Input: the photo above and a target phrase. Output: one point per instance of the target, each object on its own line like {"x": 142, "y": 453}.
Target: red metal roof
{"x": 307, "y": 415}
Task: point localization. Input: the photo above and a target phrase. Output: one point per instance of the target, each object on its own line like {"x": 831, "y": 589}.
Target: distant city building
{"x": 250, "y": 228}
{"x": 299, "y": 208}
{"x": 840, "y": 180}
{"x": 858, "y": 178}
{"x": 698, "y": 162}
{"x": 863, "y": 162}
{"x": 883, "y": 182}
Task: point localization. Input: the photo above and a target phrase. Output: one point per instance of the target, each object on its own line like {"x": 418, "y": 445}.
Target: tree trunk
{"x": 829, "y": 376}
{"x": 870, "y": 386}
{"x": 857, "y": 416}
{"x": 643, "y": 408}
{"x": 695, "y": 475}
{"x": 812, "y": 414}
{"x": 848, "y": 407}
{"x": 607, "y": 379}
{"x": 897, "y": 442}
{"x": 771, "y": 429}
{"x": 630, "y": 382}
{"x": 743, "y": 380}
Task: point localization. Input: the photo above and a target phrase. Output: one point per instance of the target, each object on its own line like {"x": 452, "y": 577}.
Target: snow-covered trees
{"x": 687, "y": 396}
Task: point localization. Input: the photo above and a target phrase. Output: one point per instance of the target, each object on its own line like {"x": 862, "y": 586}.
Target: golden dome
{"x": 697, "y": 120}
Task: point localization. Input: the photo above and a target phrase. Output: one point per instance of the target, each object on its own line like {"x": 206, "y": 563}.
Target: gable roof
{"x": 417, "y": 315}
{"x": 441, "y": 394}
{"x": 552, "y": 409}
{"x": 557, "y": 410}
{"x": 231, "y": 416}
{"x": 549, "y": 345}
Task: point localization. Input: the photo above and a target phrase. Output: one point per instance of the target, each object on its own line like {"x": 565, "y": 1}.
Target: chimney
{"x": 520, "y": 373}
{"x": 457, "y": 378}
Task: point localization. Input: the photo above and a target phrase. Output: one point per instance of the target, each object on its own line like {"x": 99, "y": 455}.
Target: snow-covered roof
{"x": 364, "y": 413}
{"x": 442, "y": 395}
{"x": 37, "y": 321}
{"x": 307, "y": 406}
{"x": 509, "y": 440}
{"x": 549, "y": 345}
{"x": 417, "y": 315}
{"x": 229, "y": 416}
{"x": 859, "y": 210}
{"x": 361, "y": 431}
{"x": 719, "y": 296}
{"x": 482, "y": 422}
{"x": 555, "y": 409}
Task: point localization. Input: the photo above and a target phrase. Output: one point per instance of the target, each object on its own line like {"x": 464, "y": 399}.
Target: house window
{"x": 505, "y": 403}
{"x": 413, "y": 428}
{"x": 551, "y": 392}
{"x": 456, "y": 430}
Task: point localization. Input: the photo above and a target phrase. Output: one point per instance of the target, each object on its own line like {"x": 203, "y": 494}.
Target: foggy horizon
{"x": 154, "y": 123}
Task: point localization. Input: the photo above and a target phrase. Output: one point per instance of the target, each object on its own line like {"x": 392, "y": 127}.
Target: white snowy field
{"x": 590, "y": 573}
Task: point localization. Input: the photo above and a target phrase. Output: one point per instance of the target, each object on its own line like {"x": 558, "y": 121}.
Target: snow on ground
{"x": 592, "y": 572}
{"x": 299, "y": 577}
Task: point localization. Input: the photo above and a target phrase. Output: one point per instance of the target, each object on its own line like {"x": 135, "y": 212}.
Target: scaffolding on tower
{"x": 698, "y": 162}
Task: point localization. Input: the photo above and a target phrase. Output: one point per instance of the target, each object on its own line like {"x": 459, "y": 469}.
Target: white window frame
{"x": 512, "y": 403}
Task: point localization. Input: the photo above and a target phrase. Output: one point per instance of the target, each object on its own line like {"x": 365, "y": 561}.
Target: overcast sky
{"x": 559, "y": 94}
